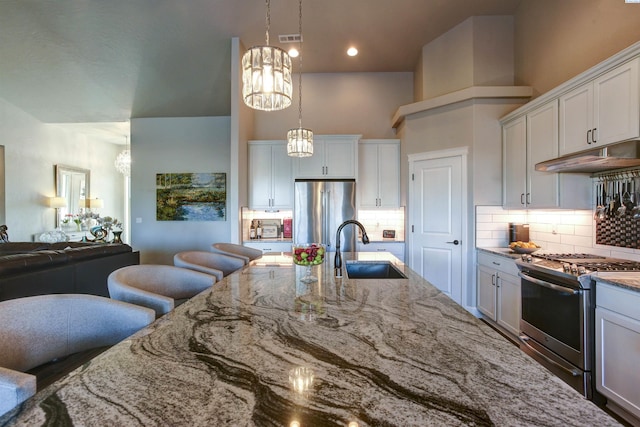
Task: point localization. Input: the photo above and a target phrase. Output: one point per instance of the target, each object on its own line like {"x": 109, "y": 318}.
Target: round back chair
{"x": 240, "y": 251}
{"x": 216, "y": 264}
{"x": 36, "y": 330}
{"x": 156, "y": 286}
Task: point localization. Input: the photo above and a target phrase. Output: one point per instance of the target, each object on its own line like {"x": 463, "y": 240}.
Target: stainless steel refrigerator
{"x": 319, "y": 209}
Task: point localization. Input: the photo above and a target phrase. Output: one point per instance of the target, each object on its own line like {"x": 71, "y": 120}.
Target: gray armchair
{"x": 240, "y": 251}
{"x": 157, "y": 287}
{"x": 38, "y": 329}
{"x": 216, "y": 264}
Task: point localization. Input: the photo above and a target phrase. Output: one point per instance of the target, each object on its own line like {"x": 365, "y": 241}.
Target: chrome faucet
{"x": 337, "y": 263}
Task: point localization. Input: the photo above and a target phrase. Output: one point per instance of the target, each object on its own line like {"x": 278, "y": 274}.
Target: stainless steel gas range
{"x": 558, "y": 308}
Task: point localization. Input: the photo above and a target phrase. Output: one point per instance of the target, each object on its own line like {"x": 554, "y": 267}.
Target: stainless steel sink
{"x": 373, "y": 270}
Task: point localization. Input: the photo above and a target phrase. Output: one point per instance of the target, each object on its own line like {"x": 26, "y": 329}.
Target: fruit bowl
{"x": 520, "y": 250}
{"x": 308, "y": 255}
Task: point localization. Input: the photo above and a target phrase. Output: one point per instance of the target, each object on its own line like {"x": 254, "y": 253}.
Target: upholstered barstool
{"x": 216, "y": 264}
{"x": 36, "y": 330}
{"x": 159, "y": 287}
{"x": 240, "y": 251}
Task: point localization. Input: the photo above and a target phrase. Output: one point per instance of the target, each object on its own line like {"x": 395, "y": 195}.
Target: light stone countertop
{"x": 505, "y": 252}
{"x": 382, "y": 352}
{"x": 630, "y": 280}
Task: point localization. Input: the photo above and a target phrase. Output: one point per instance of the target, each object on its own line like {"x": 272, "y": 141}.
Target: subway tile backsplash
{"x": 554, "y": 230}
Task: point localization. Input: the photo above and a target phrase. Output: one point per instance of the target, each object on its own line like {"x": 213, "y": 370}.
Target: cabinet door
{"x": 616, "y": 105}
{"x": 282, "y": 177}
{"x": 617, "y": 355}
{"x": 389, "y": 175}
{"x": 314, "y": 166}
{"x": 368, "y": 178}
{"x": 514, "y": 140}
{"x": 340, "y": 158}
{"x": 576, "y": 119}
{"x": 542, "y": 144}
{"x": 260, "y": 180}
{"x": 508, "y": 313}
{"x": 487, "y": 291}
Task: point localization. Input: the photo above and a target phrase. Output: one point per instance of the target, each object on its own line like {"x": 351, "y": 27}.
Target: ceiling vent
{"x": 290, "y": 38}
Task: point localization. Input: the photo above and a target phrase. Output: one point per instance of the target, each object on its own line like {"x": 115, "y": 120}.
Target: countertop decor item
{"x": 308, "y": 254}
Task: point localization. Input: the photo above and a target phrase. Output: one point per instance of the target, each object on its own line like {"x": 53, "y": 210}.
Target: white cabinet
{"x": 334, "y": 156}
{"x": 618, "y": 348}
{"x": 379, "y": 173}
{"x": 499, "y": 291}
{"x": 529, "y": 140}
{"x": 270, "y": 175}
{"x": 394, "y": 248}
{"x": 600, "y": 112}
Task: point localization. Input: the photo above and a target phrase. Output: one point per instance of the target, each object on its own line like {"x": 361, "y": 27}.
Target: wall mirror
{"x": 73, "y": 185}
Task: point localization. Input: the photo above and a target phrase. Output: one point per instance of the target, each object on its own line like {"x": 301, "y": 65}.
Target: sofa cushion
{"x": 13, "y": 263}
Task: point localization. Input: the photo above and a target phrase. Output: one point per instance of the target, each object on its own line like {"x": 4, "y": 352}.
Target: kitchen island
{"x": 263, "y": 348}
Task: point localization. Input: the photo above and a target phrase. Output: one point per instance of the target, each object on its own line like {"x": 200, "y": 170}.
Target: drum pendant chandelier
{"x": 266, "y": 75}
{"x": 300, "y": 140}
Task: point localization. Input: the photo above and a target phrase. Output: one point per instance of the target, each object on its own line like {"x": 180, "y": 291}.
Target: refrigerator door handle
{"x": 327, "y": 219}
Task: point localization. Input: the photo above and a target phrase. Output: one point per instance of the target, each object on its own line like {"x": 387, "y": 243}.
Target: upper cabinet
{"x": 334, "y": 156}
{"x": 379, "y": 173}
{"x": 531, "y": 139}
{"x": 602, "y": 111}
{"x": 270, "y": 175}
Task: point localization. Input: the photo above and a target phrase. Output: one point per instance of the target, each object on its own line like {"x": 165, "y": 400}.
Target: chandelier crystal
{"x": 300, "y": 140}
{"x": 123, "y": 162}
{"x": 266, "y": 75}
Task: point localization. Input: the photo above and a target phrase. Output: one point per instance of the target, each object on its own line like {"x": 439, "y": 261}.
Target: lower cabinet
{"x": 499, "y": 291}
{"x": 394, "y": 248}
{"x": 618, "y": 349}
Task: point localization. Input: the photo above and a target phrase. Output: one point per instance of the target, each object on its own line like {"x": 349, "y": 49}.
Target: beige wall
{"x": 477, "y": 52}
{"x": 556, "y": 40}
{"x": 350, "y": 103}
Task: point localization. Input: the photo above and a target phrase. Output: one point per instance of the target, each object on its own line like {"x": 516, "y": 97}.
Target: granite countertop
{"x": 377, "y": 352}
{"x": 505, "y": 252}
{"x": 630, "y": 280}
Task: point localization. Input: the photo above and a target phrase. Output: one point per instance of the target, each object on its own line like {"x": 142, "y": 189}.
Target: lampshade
{"x": 123, "y": 162}
{"x": 266, "y": 75}
{"x": 57, "y": 202}
{"x": 95, "y": 203}
{"x": 300, "y": 140}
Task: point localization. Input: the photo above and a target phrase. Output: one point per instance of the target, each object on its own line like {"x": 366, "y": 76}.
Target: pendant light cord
{"x": 268, "y": 21}
{"x": 300, "y": 66}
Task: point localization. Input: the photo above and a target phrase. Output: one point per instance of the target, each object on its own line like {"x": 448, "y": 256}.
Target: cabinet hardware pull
{"x": 528, "y": 198}
{"x": 588, "y": 133}
{"x": 522, "y": 199}
{"x": 493, "y": 279}
{"x": 593, "y": 135}
{"x": 495, "y": 263}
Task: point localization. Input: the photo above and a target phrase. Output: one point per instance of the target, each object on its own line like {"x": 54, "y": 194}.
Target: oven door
{"x": 556, "y": 316}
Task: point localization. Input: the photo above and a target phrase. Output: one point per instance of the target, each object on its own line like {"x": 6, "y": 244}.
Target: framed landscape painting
{"x": 191, "y": 196}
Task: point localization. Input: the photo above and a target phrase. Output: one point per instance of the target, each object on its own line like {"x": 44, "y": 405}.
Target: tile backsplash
{"x": 560, "y": 231}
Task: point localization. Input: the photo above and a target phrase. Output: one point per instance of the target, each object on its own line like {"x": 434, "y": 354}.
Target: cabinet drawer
{"x": 497, "y": 262}
{"x": 618, "y": 299}
{"x": 268, "y": 247}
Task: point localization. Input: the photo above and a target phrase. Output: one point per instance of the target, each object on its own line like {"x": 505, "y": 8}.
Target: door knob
{"x": 455, "y": 242}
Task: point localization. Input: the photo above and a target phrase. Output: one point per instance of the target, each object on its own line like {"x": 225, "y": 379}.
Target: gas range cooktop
{"x": 578, "y": 264}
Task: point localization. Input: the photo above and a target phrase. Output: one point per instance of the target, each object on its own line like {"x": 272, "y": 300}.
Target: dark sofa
{"x": 33, "y": 268}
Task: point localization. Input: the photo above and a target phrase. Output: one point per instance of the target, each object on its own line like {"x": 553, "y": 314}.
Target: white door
{"x": 436, "y": 223}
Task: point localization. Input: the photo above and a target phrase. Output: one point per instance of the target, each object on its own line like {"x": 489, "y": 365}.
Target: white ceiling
{"x": 106, "y": 61}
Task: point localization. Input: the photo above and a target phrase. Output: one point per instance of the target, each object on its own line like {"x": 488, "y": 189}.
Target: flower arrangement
{"x": 78, "y": 220}
{"x": 67, "y": 219}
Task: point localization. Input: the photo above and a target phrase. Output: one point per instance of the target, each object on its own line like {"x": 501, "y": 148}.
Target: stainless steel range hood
{"x": 617, "y": 156}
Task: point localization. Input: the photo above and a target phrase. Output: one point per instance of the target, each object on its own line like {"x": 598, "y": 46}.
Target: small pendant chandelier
{"x": 266, "y": 75}
{"x": 300, "y": 140}
{"x": 123, "y": 161}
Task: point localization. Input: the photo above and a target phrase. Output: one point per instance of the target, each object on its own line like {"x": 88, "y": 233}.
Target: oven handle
{"x": 573, "y": 372}
{"x": 548, "y": 285}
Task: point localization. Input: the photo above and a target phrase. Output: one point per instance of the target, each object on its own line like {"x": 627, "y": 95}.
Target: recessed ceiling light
{"x": 293, "y": 52}
{"x": 352, "y": 51}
